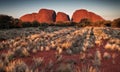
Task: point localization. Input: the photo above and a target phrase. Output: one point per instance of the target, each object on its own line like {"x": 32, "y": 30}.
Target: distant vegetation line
{"x": 8, "y": 22}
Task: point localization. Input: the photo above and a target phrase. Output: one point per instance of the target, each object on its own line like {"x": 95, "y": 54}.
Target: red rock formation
{"x": 47, "y": 16}
{"x": 29, "y": 17}
{"x": 62, "y": 17}
{"x": 82, "y": 13}
{"x": 95, "y": 17}
{"x": 44, "y": 16}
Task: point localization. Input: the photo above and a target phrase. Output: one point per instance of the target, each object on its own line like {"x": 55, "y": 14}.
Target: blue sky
{"x": 108, "y": 9}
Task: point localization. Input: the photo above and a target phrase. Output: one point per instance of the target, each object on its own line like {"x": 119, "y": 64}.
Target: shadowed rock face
{"x": 29, "y": 17}
{"x": 62, "y": 17}
{"x": 47, "y": 16}
{"x": 82, "y": 13}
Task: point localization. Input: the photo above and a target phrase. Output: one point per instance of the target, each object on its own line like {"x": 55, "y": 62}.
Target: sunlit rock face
{"x": 47, "y": 16}
{"x": 62, "y": 17}
{"x": 94, "y": 17}
{"x": 82, "y": 13}
{"x": 29, "y": 17}
{"x": 44, "y": 16}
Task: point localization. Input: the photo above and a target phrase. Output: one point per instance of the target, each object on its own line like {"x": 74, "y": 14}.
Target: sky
{"x": 108, "y": 9}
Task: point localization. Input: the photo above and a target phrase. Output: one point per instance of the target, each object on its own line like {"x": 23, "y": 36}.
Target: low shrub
{"x": 116, "y": 23}
{"x": 84, "y": 22}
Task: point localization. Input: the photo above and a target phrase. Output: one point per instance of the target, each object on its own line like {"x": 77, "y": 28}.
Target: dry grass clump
{"x": 17, "y": 66}
{"x": 10, "y": 55}
{"x": 108, "y": 46}
{"x": 22, "y": 52}
{"x": 47, "y": 48}
{"x": 3, "y": 62}
{"x": 50, "y": 65}
{"x": 82, "y": 56}
{"x": 114, "y": 55}
{"x": 34, "y": 36}
{"x": 36, "y": 63}
{"x": 25, "y": 52}
{"x": 66, "y": 45}
{"x": 34, "y": 50}
{"x": 106, "y": 55}
{"x": 24, "y": 44}
{"x": 112, "y": 46}
{"x": 2, "y": 66}
{"x": 41, "y": 48}
{"x": 59, "y": 50}
{"x": 97, "y": 60}
{"x": 88, "y": 69}
{"x": 98, "y": 42}
{"x": 65, "y": 68}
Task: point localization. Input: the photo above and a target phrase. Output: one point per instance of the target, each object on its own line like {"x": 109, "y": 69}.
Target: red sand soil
{"x": 106, "y": 66}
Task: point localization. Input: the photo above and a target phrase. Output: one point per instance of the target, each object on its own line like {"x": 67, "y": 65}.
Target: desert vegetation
{"x": 60, "y": 49}
{"x": 8, "y": 22}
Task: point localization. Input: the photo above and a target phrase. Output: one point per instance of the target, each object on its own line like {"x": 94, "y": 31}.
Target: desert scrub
{"x": 41, "y": 48}
{"x": 88, "y": 68}
{"x": 3, "y": 62}
{"x": 114, "y": 55}
{"x": 108, "y": 46}
{"x": 65, "y": 68}
{"x": 97, "y": 60}
{"x": 2, "y": 66}
{"x": 34, "y": 50}
{"x": 59, "y": 58}
{"x": 4, "y": 45}
{"x": 98, "y": 42}
{"x": 112, "y": 46}
{"x": 17, "y": 66}
{"x": 66, "y": 45}
{"x": 106, "y": 55}
{"x": 10, "y": 55}
{"x": 25, "y": 52}
{"x": 50, "y": 65}
{"x": 59, "y": 50}
{"x": 47, "y": 48}
{"x": 82, "y": 56}
{"x": 36, "y": 63}
{"x": 22, "y": 52}
{"x": 4, "y": 58}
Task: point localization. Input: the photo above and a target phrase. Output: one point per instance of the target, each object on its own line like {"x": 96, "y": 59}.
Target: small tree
{"x": 6, "y": 21}
{"x": 17, "y": 23}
